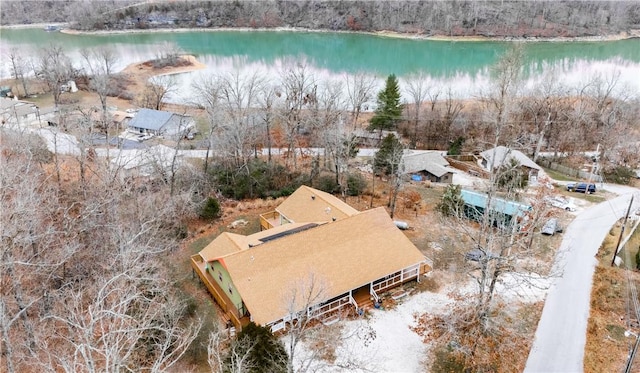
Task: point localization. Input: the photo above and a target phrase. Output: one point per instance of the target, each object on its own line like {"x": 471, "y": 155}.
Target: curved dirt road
{"x": 561, "y": 335}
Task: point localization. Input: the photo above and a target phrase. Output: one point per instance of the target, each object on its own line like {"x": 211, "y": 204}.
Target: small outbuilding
{"x": 502, "y": 212}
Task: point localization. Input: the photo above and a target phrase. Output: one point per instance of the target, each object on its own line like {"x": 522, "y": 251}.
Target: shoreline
{"x": 384, "y": 33}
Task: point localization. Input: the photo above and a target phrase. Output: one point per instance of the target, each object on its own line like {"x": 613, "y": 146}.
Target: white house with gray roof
{"x": 503, "y": 156}
{"x": 161, "y": 123}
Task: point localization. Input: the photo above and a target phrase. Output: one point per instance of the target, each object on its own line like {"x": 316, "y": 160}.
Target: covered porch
{"x": 358, "y": 299}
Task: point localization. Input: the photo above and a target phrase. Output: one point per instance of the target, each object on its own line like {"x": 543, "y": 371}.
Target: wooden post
{"x": 624, "y": 224}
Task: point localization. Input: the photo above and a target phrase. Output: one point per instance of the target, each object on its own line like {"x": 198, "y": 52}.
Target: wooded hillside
{"x": 455, "y": 18}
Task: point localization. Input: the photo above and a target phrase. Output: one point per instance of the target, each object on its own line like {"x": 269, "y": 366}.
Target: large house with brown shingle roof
{"x": 350, "y": 255}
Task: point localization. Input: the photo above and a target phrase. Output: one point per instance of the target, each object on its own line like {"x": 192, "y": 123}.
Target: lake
{"x": 463, "y": 66}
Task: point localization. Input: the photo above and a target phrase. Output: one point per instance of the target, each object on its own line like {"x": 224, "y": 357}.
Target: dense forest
{"x": 455, "y": 18}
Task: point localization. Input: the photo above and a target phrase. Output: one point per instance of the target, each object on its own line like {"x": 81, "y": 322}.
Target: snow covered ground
{"x": 384, "y": 342}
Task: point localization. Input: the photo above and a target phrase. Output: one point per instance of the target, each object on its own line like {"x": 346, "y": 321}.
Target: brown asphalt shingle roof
{"x": 343, "y": 255}
{"x": 301, "y": 207}
{"x": 227, "y": 243}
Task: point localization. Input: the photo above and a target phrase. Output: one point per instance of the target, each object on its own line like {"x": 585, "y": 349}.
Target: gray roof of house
{"x": 431, "y": 161}
{"x": 151, "y": 119}
{"x": 363, "y": 133}
{"x": 504, "y": 155}
{"x": 7, "y": 103}
{"x": 436, "y": 170}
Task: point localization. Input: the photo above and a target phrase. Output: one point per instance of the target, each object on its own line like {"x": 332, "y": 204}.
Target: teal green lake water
{"x": 462, "y": 65}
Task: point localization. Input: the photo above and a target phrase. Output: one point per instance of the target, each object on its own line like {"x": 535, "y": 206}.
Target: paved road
{"x": 561, "y": 335}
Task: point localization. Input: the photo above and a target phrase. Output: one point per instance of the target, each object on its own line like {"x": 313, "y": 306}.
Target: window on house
{"x": 230, "y": 290}
{"x": 220, "y": 275}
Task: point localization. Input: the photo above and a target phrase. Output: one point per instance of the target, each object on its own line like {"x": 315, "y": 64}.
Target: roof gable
{"x": 307, "y": 204}
{"x": 503, "y": 156}
{"x": 436, "y": 170}
{"x": 419, "y": 160}
{"x": 344, "y": 255}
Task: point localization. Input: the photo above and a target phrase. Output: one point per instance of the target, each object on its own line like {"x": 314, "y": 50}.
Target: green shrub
{"x": 619, "y": 175}
{"x": 210, "y": 209}
{"x": 455, "y": 148}
{"x": 265, "y": 351}
{"x": 327, "y": 183}
{"x": 258, "y": 180}
{"x": 356, "y": 184}
{"x": 452, "y": 203}
{"x": 181, "y": 231}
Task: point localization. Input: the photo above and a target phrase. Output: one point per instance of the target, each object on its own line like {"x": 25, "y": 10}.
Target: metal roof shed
{"x": 502, "y": 211}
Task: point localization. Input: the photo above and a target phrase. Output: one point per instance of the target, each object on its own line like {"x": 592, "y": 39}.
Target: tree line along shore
{"x": 468, "y": 19}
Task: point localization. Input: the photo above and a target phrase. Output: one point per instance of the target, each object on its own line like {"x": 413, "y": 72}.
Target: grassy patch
{"x": 593, "y": 198}
{"x": 557, "y": 175}
{"x": 253, "y": 226}
{"x": 609, "y": 295}
{"x": 631, "y": 248}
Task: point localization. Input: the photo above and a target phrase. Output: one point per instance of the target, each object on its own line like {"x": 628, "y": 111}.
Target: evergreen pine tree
{"x": 389, "y": 110}
{"x": 388, "y": 157}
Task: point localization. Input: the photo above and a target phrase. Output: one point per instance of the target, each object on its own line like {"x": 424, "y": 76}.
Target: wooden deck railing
{"x": 198, "y": 265}
{"x": 268, "y": 220}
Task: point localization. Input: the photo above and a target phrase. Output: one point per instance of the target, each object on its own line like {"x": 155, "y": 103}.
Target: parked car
{"x": 561, "y": 203}
{"x": 474, "y": 255}
{"x": 144, "y": 137}
{"x": 551, "y": 227}
{"x": 477, "y": 254}
{"x": 581, "y": 187}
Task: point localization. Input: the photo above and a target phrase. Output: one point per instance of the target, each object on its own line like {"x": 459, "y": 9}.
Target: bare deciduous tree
{"x": 360, "y": 89}
{"x": 418, "y": 88}
{"x": 267, "y": 98}
{"x": 301, "y": 300}
{"x": 209, "y": 96}
{"x": 156, "y": 90}
{"x": 20, "y": 68}
{"x": 100, "y": 63}
{"x": 239, "y": 131}
{"x": 299, "y": 90}
{"x": 55, "y": 69}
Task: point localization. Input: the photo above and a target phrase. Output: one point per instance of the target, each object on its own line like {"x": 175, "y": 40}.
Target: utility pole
{"x": 595, "y": 168}
{"x": 624, "y": 224}
{"x": 541, "y": 138}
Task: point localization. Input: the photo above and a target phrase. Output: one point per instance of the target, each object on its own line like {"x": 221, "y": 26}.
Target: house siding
{"x": 217, "y": 271}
